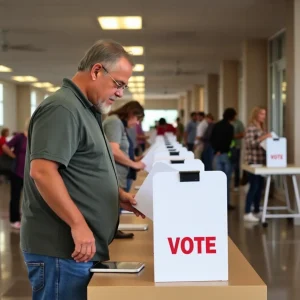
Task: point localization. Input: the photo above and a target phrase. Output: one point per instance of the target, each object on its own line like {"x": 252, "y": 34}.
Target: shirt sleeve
{"x": 201, "y": 129}
{"x": 54, "y": 135}
{"x": 113, "y": 130}
{"x": 14, "y": 141}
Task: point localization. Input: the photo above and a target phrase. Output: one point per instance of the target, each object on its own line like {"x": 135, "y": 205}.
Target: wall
{"x": 10, "y": 105}
{"x": 255, "y": 73}
{"x": 153, "y": 104}
{"x": 228, "y": 85}
{"x": 23, "y": 105}
{"x": 212, "y": 94}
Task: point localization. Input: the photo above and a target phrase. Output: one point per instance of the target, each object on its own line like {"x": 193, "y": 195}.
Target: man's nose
{"x": 119, "y": 93}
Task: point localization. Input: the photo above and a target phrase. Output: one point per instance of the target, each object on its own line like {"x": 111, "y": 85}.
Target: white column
{"x": 228, "y": 96}
{"x": 211, "y": 94}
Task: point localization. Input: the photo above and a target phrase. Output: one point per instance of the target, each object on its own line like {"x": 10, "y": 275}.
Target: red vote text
{"x": 188, "y": 245}
{"x": 277, "y": 156}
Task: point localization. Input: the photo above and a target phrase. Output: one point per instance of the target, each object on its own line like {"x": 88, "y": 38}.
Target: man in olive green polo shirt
{"x": 71, "y": 195}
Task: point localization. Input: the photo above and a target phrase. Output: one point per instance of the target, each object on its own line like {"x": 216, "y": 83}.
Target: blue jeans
{"x": 129, "y": 184}
{"x": 57, "y": 279}
{"x": 208, "y": 157}
{"x": 223, "y": 164}
{"x": 255, "y": 192}
{"x": 236, "y": 167}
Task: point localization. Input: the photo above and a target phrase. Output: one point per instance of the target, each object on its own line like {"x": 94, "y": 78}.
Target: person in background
{"x": 255, "y": 154}
{"x": 201, "y": 128}
{"x": 208, "y": 152}
{"x": 16, "y": 149}
{"x": 239, "y": 133}
{"x": 141, "y": 138}
{"x": 5, "y": 161}
{"x": 221, "y": 138}
{"x": 179, "y": 131}
{"x": 190, "y": 132}
{"x": 3, "y": 137}
{"x": 163, "y": 127}
{"x": 122, "y": 146}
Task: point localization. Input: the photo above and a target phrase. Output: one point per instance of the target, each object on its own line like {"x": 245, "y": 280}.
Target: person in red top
{"x": 4, "y": 135}
{"x": 164, "y": 127}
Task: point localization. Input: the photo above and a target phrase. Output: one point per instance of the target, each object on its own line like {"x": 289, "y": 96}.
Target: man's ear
{"x": 95, "y": 70}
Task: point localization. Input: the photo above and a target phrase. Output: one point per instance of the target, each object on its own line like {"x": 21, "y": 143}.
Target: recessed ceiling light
{"x": 139, "y": 97}
{"x": 134, "y": 50}
{"x": 25, "y": 78}
{"x": 120, "y": 23}
{"x": 138, "y": 68}
{"x": 5, "y": 69}
{"x": 53, "y": 89}
{"x": 42, "y": 84}
{"x": 137, "y": 79}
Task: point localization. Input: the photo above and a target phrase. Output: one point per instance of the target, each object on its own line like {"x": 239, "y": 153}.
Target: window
{"x": 33, "y": 102}
{"x": 152, "y": 115}
{"x": 1, "y": 105}
{"x": 277, "y": 84}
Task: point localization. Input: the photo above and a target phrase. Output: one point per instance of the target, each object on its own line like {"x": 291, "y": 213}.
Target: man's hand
{"x": 84, "y": 241}
{"x": 127, "y": 201}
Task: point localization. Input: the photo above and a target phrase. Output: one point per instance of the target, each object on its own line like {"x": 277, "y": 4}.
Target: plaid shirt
{"x": 255, "y": 154}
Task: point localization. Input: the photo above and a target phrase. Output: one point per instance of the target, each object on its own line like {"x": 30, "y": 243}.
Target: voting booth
{"x": 276, "y": 152}
{"x": 177, "y": 188}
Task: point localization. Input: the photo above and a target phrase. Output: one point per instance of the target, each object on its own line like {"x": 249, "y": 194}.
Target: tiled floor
{"x": 273, "y": 252}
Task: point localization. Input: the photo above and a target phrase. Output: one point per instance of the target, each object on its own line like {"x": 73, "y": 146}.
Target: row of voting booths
{"x": 178, "y": 188}
{"x": 186, "y": 208}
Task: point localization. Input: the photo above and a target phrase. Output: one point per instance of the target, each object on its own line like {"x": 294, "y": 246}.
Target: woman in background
{"x": 114, "y": 127}
{"x": 18, "y": 143}
{"x": 255, "y": 154}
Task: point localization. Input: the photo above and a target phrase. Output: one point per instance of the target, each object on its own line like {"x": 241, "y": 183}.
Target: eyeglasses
{"x": 120, "y": 85}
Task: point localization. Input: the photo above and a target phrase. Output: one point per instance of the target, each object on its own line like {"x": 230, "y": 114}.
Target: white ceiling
{"x": 198, "y": 33}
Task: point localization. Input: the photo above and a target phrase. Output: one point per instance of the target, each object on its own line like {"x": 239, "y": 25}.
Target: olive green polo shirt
{"x": 66, "y": 129}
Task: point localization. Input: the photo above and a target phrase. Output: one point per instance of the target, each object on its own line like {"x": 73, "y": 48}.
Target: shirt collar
{"x": 67, "y": 83}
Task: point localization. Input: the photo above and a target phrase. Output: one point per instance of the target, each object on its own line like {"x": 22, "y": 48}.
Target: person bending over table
{"x": 114, "y": 127}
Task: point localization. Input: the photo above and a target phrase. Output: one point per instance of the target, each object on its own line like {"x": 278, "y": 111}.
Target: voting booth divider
{"x": 276, "y": 152}
{"x": 188, "y": 207}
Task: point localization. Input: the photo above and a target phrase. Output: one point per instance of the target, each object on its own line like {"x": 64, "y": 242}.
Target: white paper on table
{"x": 263, "y": 144}
{"x": 144, "y": 196}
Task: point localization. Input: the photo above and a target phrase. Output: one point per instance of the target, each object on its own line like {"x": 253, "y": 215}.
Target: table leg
{"x": 295, "y": 184}
{"x": 286, "y": 191}
{"x": 266, "y": 199}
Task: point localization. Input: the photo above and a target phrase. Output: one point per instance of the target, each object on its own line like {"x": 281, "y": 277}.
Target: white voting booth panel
{"x": 144, "y": 196}
{"x": 190, "y": 226}
{"x": 166, "y": 155}
{"x": 148, "y": 159}
{"x": 276, "y": 152}
{"x": 191, "y": 164}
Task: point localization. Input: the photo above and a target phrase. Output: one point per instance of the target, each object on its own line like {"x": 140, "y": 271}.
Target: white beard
{"x": 103, "y": 108}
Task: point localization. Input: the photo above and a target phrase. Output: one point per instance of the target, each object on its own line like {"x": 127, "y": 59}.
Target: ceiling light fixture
{"x": 42, "y": 84}
{"x": 138, "y": 68}
{"x": 5, "y": 69}
{"x": 120, "y": 23}
{"x": 137, "y": 79}
{"x": 24, "y": 78}
{"x": 134, "y": 50}
{"x": 53, "y": 89}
